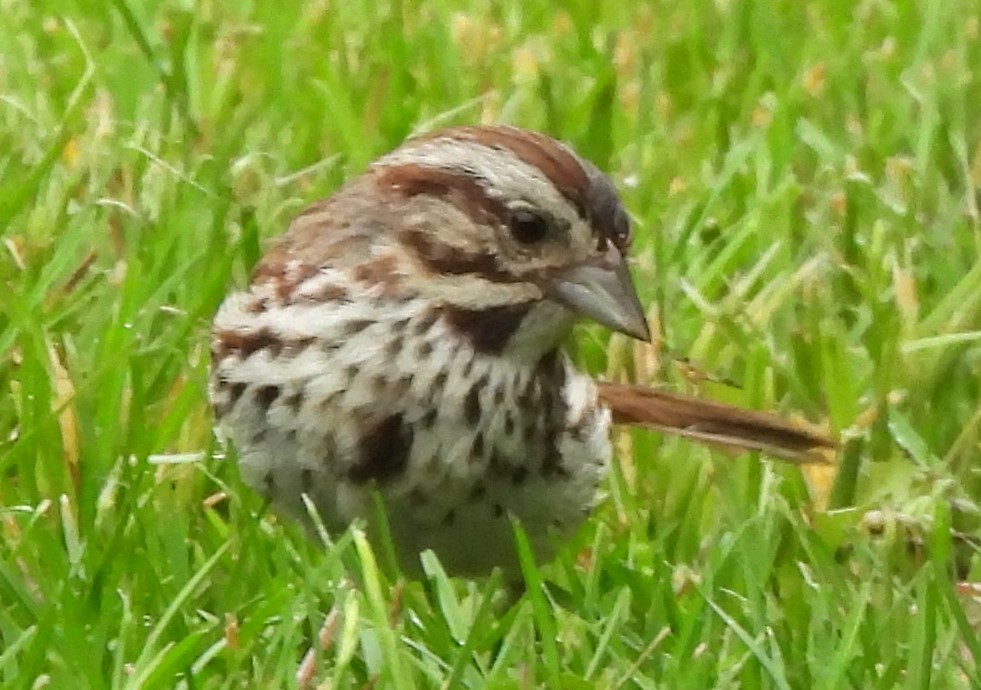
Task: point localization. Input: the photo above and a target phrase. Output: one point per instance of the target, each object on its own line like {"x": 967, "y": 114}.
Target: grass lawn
{"x": 805, "y": 180}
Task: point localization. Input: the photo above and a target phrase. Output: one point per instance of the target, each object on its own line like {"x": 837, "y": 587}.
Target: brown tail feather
{"x": 715, "y": 423}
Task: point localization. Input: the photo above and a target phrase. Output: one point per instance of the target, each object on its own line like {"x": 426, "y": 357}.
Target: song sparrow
{"x": 404, "y": 336}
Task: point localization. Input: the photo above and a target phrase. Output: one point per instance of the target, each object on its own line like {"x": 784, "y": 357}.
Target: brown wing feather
{"x": 714, "y": 422}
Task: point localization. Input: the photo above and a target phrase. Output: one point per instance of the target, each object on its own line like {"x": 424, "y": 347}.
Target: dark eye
{"x": 528, "y": 227}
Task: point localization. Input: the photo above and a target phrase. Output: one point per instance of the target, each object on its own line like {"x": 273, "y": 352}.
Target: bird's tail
{"x": 715, "y": 423}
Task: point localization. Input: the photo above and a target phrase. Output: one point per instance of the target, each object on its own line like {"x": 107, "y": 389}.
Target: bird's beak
{"x": 600, "y": 288}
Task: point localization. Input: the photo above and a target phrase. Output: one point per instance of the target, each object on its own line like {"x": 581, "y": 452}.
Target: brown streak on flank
{"x": 383, "y": 451}
{"x": 443, "y": 259}
{"x": 379, "y": 271}
{"x": 285, "y": 275}
{"x": 332, "y": 293}
{"x": 488, "y": 330}
{"x": 258, "y": 305}
{"x": 246, "y": 344}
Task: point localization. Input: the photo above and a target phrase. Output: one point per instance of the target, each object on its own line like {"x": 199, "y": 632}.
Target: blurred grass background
{"x": 805, "y": 180}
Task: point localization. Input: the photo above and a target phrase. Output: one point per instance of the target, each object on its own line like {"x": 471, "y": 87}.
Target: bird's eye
{"x": 528, "y": 227}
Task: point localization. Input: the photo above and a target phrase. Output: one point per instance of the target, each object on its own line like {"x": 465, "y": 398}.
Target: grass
{"x": 804, "y": 179}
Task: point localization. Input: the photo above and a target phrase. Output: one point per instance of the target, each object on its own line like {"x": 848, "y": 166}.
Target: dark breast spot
{"x": 265, "y": 396}
{"x": 498, "y": 465}
{"x": 383, "y": 451}
{"x": 394, "y": 346}
{"x": 428, "y": 419}
{"x": 477, "y": 450}
{"x": 487, "y": 330}
{"x": 257, "y": 305}
{"x": 294, "y": 401}
{"x": 531, "y": 432}
{"x": 351, "y": 372}
{"x": 235, "y": 392}
{"x": 401, "y": 386}
{"x": 499, "y": 393}
{"x": 356, "y": 326}
{"x": 551, "y": 376}
{"x": 439, "y": 381}
{"x": 552, "y": 461}
{"x": 220, "y": 410}
{"x": 426, "y": 321}
{"x": 268, "y": 485}
{"x": 519, "y": 475}
{"x": 292, "y": 348}
{"x": 471, "y": 405}
{"x": 509, "y": 422}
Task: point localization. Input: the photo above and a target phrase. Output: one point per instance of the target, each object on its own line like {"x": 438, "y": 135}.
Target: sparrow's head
{"x": 499, "y": 217}
{"x": 508, "y": 233}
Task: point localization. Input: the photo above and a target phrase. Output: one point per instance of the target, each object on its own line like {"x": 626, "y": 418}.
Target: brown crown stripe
{"x": 583, "y": 184}
{"x": 487, "y": 330}
{"x": 557, "y": 163}
{"x": 464, "y": 191}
